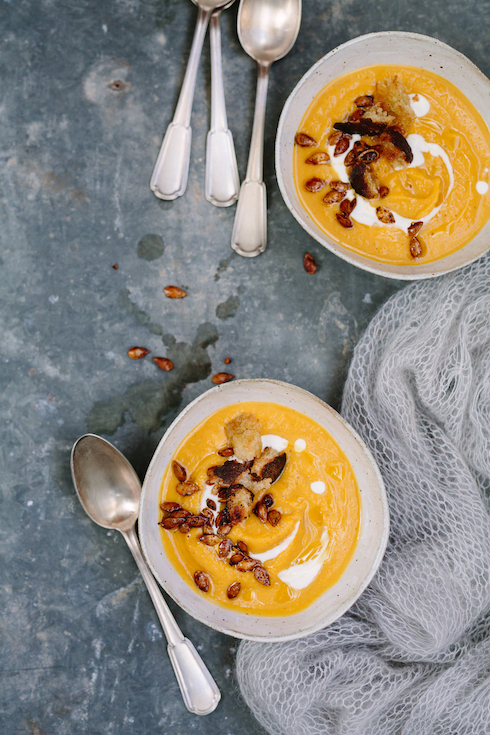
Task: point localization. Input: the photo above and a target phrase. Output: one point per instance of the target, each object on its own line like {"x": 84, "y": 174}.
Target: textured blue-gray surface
{"x": 88, "y": 88}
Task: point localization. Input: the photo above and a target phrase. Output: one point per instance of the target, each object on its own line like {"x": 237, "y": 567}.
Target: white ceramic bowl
{"x": 374, "y": 514}
{"x": 390, "y": 47}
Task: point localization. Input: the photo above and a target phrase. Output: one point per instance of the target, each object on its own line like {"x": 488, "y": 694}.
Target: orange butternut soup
{"x": 427, "y": 202}
{"x": 298, "y": 527}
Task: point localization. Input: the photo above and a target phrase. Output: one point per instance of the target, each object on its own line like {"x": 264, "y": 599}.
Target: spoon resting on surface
{"x": 109, "y": 490}
{"x": 222, "y": 179}
{"x": 267, "y": 30}
{"x": 169, "y": 177}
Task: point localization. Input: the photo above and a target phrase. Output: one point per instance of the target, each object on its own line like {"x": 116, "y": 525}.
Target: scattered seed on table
{"x": 309, "y": 263}
{"x": 163, "y": 363}
{"x": 136, "y": 353}
{"x": 219, "y": 378}
{"x": 174, "y": 292}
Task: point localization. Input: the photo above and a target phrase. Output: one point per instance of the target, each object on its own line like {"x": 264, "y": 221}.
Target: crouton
{"x": 364, "y": 181}
{"x": 239, "y": 505}
{"x": 256, "y": 486}
{"x": 228, "y": 474}
{"x": 243, "y": 434}
{"x": 377, "y": 115}
{"x": 392, "y": 100}
{"x": 233, "y": 473}
{"x": 269, "y": 465}
{"x": 396, "y": 148}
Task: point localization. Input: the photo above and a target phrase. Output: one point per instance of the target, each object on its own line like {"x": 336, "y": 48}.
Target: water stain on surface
{"x": 228, "y": 308}
{"x": 140, "y": 316}
{"x": 149, "y": 402}
{"x": 223, "y": 265}
{"x": 150, "y": 247}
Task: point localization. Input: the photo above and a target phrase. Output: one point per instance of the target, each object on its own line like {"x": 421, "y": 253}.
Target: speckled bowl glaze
{"x": 374, "y": 514}
{"x": 390, "y": 47}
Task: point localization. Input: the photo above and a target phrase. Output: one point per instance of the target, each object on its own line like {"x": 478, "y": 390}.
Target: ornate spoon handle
{"x": 199, "y": 691}
{"x": 222, "y": 181}
{"x": 249, "y": 236}
{"x": 169, "y": 178}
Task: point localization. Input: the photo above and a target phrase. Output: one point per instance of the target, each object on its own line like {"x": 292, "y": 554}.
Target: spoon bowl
{"x": 109, "y": 490}
{"x": 267, "y": 29}
{"x": 106, "y": 484}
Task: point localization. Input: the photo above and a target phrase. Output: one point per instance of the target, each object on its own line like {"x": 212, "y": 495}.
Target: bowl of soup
{"x": 263, "y": 513}
{"x": 383, "y": 155}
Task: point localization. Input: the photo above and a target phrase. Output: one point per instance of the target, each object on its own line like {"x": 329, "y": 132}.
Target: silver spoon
{"x": 169, "y": 177}
{"x": 109, "y": 491}
{"x": 222, "y": 179}
{"x": 267, "y": 30}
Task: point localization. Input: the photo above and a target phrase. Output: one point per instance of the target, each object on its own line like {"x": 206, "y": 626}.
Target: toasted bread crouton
{"x": 239, "y": 505}
{"x": 364, "y": 181}
{"x": 233, "y": 473}
{"x": 378, "y": 115}
{"x": 228, "y": 474}
{"x": 256, "y": 486}
{"x": 243, "y": 434}
{"x": 393, "y": 154}
{"x": 391, "y": 97}
{"x": 269, "y": 465}
{"x": 396, "y": 147}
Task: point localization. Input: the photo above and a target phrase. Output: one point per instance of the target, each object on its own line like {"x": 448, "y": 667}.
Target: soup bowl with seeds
{"x": 263, "y": 514}
{"x": 384, "y": 159}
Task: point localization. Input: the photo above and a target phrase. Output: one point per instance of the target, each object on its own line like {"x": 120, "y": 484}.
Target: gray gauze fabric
{"x": 412, "y": 657}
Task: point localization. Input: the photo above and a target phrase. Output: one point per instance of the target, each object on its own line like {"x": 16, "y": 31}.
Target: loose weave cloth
{"x": 412, "y": 657}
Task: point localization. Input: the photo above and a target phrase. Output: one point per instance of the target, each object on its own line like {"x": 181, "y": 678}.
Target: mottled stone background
{"x": 87, "y": 90}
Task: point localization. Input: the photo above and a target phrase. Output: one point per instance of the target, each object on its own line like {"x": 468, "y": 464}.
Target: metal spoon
{"x": 169, "y": 178}
{"x": 222, "y": 180}
{"x": 109, "y": 491}
{"x": 267, "y": 30}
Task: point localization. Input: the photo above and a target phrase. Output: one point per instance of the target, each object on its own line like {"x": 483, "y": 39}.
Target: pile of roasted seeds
{"x": 241, "y": 487}
{"x": 378, "y": 139}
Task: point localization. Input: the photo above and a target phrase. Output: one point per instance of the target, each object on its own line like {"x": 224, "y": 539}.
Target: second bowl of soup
{"x": 384, "y": 159}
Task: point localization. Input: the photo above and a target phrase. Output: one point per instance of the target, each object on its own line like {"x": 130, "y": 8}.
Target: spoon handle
{"x": 169, "y": 178}
{"x": 249, "y": 236}
{"x": 198, "y": 688}
{"x": 222, "y": 180}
